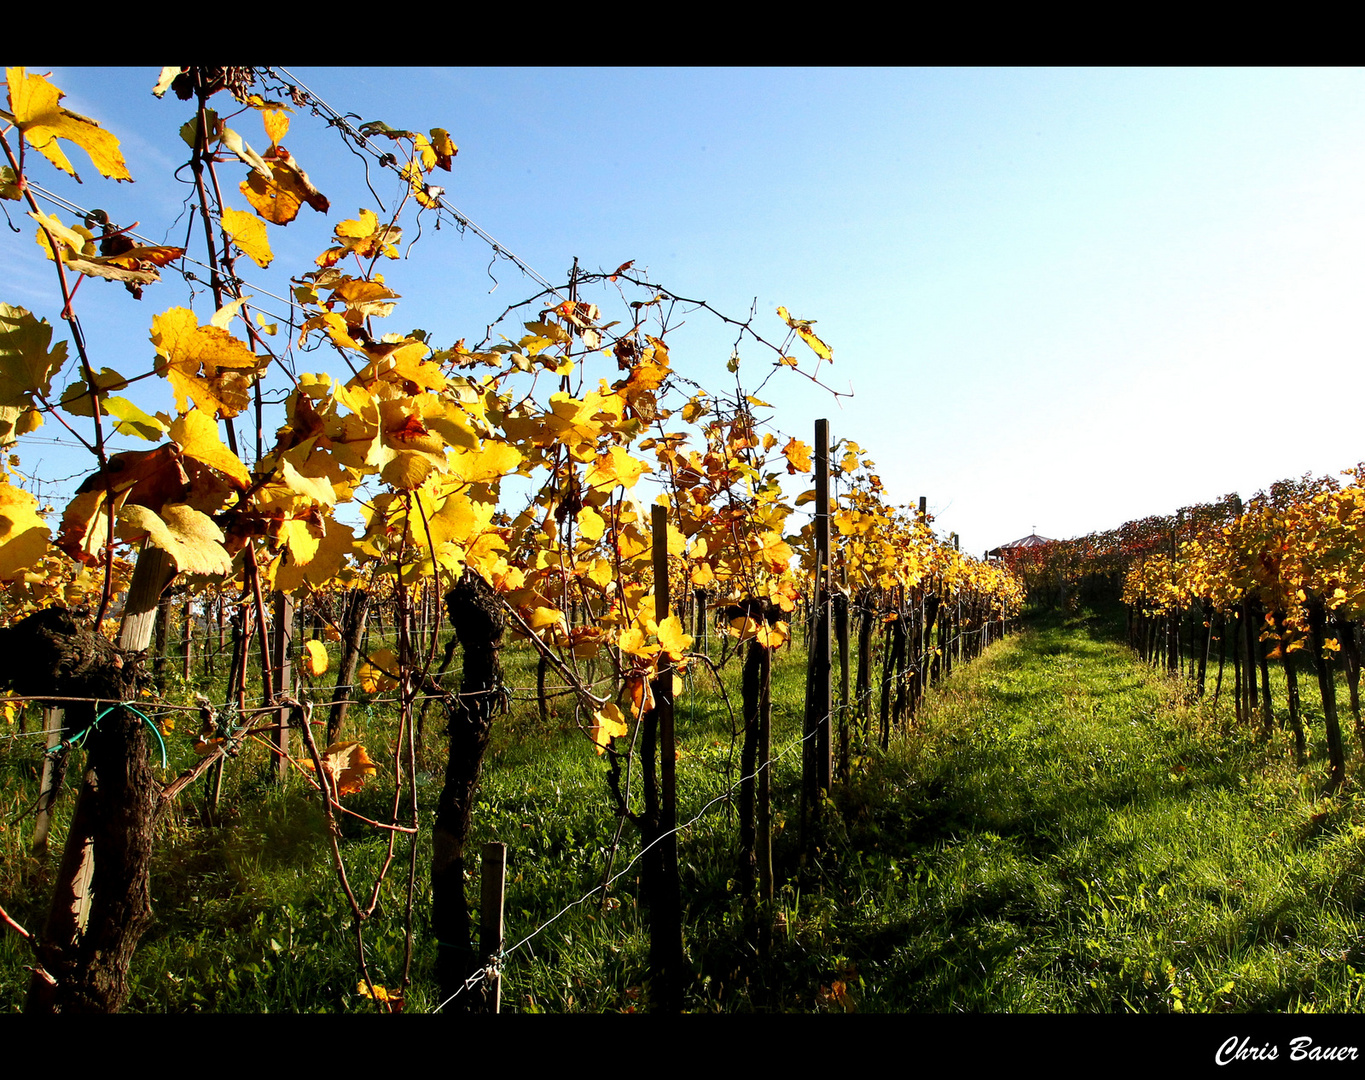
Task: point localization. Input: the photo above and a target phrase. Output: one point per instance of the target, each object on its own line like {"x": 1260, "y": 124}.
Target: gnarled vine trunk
{"x": 102, "y": 903}
{"x": 479, "y": 620}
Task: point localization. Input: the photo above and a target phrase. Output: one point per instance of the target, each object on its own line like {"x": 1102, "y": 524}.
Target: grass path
{"x": 1064, "y": 836}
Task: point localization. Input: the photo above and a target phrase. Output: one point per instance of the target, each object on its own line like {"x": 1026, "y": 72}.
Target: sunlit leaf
{"x": 672, "y": 638}
{"x": 608, "y": 723}
{"x": 193, "y": 541}
{"x": 348, "y": 765}
{"x": 803, "y": 329}
{"x": 130, "y": 420}
{"x": 248, "y": 233}
{"x": 315, "y": 658}
{"x": 377, "y": 673}
{"x": 197, "y": 434}
{"x": 34, "y": 104}
{"x": 23, "y": 534}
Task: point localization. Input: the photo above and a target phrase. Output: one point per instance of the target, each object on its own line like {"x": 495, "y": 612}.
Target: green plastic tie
{"x": 133, "y": 709}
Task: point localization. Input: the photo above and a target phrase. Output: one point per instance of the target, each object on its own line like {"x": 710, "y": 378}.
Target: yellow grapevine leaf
{"x": 85, "y": 526}
{"x": 197, "y": 434}
{"x": 130, "y": 420}
{"x": 23, "y": 534}
{"x": 276, "y": 187}
{"x": 772, "y": 637}
{"x": 248, "y": 233}
{"x": 204, "y": 364}
{"x": 193, "y": 541}
{"x": 74, "y": 241}
{"x": 380, "y": 993}
{"x": 548, "y": 619}
{"x": 608, "y": 723}
{"x": 672, "y": 638}
{"x": 692, "y": 410}
{"x": 34, "y": 102}
{"x": 26, "y": 365}
{"x": 494, "y": 460}
{"x": 274, "y": 116}
{"x": 615, "y": 467}
{"x": 803, "y": 329}
{"x": 318, "y": 489}
{"x": 591, "y": 525}
{"x": 376, "y": 674}
{"x": 222, "y": 318}
{"x": 632, "y": 642}
{"x": 444, "y": 148}
{"x": 299, "y": 538}
{"x": 273, "y": 199}
{"x": 325, "y": 564}
{"x": 315, "y": 658}
{"x": 364, "y": 237}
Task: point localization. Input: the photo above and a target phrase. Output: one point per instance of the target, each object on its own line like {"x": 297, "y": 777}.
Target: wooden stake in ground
{"x": 661, "y": 862}
{"x": 282, "y": 633}
{"x": 817, "y": 762}
{"x": 54, "y": 772}
{"x": 357, "y": 607}
{"x": 493, "y": 877}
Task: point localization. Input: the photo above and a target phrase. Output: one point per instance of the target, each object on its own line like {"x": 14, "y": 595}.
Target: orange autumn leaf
{"x": 797, "y": 454}
{"x": 348, "y": 765}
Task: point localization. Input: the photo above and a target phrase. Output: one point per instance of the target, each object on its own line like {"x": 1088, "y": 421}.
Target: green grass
{"x": 1060, "y": 832}
{"x": 1069, "y": 836}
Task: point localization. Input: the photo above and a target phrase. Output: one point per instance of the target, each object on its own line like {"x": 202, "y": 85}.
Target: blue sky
{"x": 1062, "y": 298}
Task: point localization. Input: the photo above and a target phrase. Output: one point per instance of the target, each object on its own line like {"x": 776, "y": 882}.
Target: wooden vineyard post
{"x": 357, "y": 608}
{"x": 665, "y": 903}
{"x": 492, "y": 880}
{"x": 187, "y": 668}
{"x": 817, "y": 764}
{"x": 841, "y": 604}
{"x": 282, "y": 633}
{"x": 1327, "y": 689}
{"x": 701, "y": 621}
{"x": 54, "y": 770}
{"x": 1173, "y": 661}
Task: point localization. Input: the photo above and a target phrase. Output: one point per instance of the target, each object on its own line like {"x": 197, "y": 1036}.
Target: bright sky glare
{"x": 1062, "y": 298}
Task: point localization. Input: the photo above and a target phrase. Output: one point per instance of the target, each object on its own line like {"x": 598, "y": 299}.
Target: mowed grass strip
{"x": 1063, "y": 834}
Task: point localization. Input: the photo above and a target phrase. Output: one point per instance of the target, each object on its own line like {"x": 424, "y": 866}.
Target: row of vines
{"x": 567, "y": 486}
{"x": 1279, "y": 578}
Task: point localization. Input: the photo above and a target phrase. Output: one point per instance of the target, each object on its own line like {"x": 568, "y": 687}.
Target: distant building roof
{"x": 1031, "y": 540}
